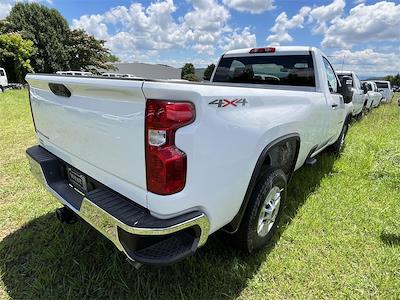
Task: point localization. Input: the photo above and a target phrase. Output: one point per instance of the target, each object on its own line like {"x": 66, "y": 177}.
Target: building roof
{"x": 149, "y": 71}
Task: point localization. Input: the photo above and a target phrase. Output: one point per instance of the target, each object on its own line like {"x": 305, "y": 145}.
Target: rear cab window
{"x": 382, "y": 85}
{"x": 292, "y": 70}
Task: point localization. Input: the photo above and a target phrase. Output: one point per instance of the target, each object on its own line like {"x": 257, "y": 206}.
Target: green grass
{"x": 339, "y": 237}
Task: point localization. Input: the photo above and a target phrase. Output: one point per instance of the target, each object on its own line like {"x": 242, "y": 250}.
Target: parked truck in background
{"x": 360, "y": 99}
{"x": 372, "y": 92}
{"x": 3, "y": 79}
{"x": 385, "y": 88}
{"x": 157, "y": 166}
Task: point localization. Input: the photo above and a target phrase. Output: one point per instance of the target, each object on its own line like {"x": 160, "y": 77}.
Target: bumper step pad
{"x": 141, "y": 236}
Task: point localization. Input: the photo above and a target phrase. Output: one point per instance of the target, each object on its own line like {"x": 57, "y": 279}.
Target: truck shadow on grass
{"x": 45, "y": 259}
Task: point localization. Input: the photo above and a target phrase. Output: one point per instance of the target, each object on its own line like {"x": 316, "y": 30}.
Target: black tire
{"x": 359, "y": 116}
{"x": 247, "y": 237}
{"x": 337, "y": 147}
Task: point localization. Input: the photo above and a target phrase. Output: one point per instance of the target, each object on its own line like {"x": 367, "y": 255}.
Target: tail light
{"x": 263, "y": 50}
{"x": 166, "y": 163}
{"x": 30, "y": 105}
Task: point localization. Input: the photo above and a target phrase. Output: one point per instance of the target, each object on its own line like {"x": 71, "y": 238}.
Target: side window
{"x": 332, "y": 80}
{"x": 1, "y": 73}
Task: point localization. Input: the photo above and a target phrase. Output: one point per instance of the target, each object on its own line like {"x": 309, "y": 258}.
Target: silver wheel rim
{"x": 269, "y": 211}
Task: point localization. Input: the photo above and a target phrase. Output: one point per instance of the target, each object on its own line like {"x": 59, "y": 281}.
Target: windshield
{"x": 296, "y": 70}
{"x": 382, "y": 85}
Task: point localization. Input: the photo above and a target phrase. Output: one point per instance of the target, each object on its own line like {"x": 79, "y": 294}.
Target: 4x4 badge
{"x": 226, "y": 102}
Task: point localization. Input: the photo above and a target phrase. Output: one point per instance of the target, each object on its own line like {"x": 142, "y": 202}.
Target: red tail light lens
{"x": 263, "y": 50}
{"x": 30, "y": 105}
{"x": 166, "y": 163}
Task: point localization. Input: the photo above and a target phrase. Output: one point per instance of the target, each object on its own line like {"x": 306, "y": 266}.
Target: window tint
{"x": 296, "y": 70}
{"x": 382, "y": 85}
{"x": 332, "y": 80}
{"x": 1, "y": 73}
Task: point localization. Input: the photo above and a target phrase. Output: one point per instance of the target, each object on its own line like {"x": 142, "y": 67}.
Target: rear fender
{"x": 282, "y": 152}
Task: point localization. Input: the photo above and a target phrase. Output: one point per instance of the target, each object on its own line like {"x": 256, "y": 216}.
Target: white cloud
{"x": 377, "y": 22}
{"x": 366, "y": 62}
{"x": 239, "y": 39}
{"x": 320, "y": 16}
{"x": 5, "y": 8}
{"x": 326, "y": 13}
{"x": 252, "y": 6}
{"x": 283, "y": 24}
{"x": 139, "y": 29}
{"x": 93, "y": 24}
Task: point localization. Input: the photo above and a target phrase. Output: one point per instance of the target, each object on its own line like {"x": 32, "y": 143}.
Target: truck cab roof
{"x": 272, "y": 50}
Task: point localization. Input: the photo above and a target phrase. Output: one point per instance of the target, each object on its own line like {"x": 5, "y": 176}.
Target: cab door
{"x": 335, "y": 103}
{"x": 358, "y": 97}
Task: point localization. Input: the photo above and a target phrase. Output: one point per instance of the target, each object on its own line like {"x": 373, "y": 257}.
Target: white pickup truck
{"x": 360, "y": 98}
{"x": 371, "y": 90}
{"x": 3, "y": 80}
{"x": 158, "y": 166}
{"x": 385, "y": 88}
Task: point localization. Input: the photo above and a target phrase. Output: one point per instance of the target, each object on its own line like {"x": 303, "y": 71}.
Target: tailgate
{"x": 99, "y": 129}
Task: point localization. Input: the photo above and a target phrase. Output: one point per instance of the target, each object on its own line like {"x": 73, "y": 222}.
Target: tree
{"x": 48, "y": 30}
{"x": 187, "y": 69}
{"x": 190, "y": 77}
{"x": 86, "y": 52}
{"x": 57, "y": 47}
{"x": 14, "y": 55}
{"x": 394, "y": 80}
{"x": 112, "y": 58}
{"x": 208, "y": 72}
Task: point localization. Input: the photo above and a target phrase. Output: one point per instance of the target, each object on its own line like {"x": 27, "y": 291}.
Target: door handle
{"x": 334, "y": 106}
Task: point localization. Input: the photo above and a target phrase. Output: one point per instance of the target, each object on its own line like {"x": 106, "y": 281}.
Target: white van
{"x": 3, "y": 79}
{"x": 385, "y": 89}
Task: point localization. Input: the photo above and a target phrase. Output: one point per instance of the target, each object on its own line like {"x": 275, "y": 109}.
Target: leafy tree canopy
{"x": 394, "y": 80}
{"x": 190, "y": 77}
{"x": 188, "y": 69}
{"x": 208, "y": 72}
{"x": 86, "y": 52}
{"x": 56, "y": 46}
{"x": 47, "y": 29}
{"x": 14, "y": 55}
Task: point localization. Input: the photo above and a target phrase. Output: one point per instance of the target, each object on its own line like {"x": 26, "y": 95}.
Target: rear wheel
{"x": 263, "y": 212}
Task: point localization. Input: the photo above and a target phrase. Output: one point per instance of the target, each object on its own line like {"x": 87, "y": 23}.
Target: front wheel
{"x": 337, "y": 147}
{"x": 263, "y": 212}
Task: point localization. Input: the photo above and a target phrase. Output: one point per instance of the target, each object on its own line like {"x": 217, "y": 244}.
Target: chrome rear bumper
{"x": 132, "y": 229}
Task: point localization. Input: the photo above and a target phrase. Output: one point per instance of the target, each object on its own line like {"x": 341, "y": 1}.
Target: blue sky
{"x": 364, "y": 34}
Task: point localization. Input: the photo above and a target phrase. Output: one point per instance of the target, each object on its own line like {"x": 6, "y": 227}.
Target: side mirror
{"x": 365, "y": 88}
{"x": 347, "y": 89}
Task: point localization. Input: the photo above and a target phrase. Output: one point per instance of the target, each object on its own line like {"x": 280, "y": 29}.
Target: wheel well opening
{"x": 282, "y": 155}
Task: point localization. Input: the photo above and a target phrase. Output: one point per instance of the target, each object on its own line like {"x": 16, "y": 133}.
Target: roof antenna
{"x": 344, "y": 55}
